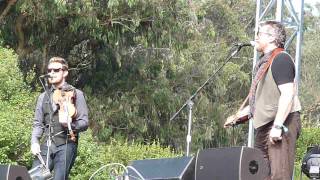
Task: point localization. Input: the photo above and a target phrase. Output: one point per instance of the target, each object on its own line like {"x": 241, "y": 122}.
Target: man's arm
{"x": 283, "y": 72}
{"x": 239, "y": 116}
{"x": 285, "y": 102}
{"x": 81, "y": 122}
{"x": 284, "y": 107}
{"x": 37, "y": 127}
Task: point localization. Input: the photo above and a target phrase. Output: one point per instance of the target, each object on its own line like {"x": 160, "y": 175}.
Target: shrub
{"x": 16, "y": 104}
{"x": 92, "y": 156}
{"x": 308, "y": 137}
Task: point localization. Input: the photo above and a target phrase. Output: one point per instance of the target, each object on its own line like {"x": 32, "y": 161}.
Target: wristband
{"x": 282, "y": 127}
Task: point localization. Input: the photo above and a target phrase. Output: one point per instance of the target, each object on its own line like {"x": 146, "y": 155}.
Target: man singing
{"x": 273, "y": 102}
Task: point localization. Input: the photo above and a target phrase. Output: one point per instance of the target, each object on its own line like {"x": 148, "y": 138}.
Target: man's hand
{"x": 275, "y": 135}
{"x": 35, "y": 148}
{"x": 64, "y": 125}
{"x": 230, "y": 121}
{"x": 240, "y": 117}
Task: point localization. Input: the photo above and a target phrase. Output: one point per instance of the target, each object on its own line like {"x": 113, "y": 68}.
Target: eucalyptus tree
{"x": 139, "y": 60}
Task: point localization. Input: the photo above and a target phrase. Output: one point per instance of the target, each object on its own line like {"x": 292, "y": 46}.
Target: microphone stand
{"x": 45, "y": 86}
{"x": 190, "y": 103}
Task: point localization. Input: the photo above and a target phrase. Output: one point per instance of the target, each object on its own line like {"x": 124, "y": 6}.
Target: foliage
{"x": 309, "y": 89}
{"x": 309, "y": 77}
{"x": 92, "y": 155}
{"x": 16, "y": 104}
{"x": 309, "y": 137}
{"x": 140, "y": 60}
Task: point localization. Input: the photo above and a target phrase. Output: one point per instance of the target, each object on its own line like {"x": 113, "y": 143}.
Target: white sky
{"x": 311, "y": 1}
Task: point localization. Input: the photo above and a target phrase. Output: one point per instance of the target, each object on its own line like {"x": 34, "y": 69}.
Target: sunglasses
{"x": 54, "y": 70}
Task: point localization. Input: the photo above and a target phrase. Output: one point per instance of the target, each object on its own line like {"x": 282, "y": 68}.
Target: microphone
{"x": 252, "y": 43}
{"x": 46, "y": 76}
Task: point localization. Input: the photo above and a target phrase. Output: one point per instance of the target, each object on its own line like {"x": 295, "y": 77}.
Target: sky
{"x": 311, "y": 2}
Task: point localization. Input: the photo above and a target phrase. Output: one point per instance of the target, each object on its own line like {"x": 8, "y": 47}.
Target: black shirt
{"x": 283, "y": 69}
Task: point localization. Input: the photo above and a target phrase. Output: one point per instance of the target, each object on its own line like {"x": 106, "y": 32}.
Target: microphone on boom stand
{"x": 189, "y": 103}
{"x": 45, "y": 76}
{"x": 240, "y": 45}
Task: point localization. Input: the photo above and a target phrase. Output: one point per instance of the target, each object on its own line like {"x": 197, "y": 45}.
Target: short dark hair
{"x": 61, "y": 61}
{"x": 279, "y": 32}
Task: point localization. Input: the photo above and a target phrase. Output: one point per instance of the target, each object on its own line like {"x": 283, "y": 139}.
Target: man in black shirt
{"x": 273, "y": 102}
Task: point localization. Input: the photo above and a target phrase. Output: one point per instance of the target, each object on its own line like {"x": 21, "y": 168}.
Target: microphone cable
{"x": 108, "y": 165}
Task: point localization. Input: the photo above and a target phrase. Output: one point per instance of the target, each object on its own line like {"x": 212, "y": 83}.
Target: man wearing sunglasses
{"x": 50, "y": 131}
{"x": 273, "y": 103}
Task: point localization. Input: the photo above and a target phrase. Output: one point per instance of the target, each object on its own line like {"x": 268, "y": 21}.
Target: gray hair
{"x": 278, "y": 31}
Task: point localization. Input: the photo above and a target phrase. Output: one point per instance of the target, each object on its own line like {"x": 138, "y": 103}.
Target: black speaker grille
{"x": 232, "y": 163}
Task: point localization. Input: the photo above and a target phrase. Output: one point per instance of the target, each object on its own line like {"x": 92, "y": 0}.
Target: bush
{"x": 92, "y": 156}
{"x": 16, "y": 104}
{"x": 308, "y": 137}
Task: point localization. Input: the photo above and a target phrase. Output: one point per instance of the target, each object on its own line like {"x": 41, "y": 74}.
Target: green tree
{"x": 140, "y": 60}
{"x": 310, "y": 69}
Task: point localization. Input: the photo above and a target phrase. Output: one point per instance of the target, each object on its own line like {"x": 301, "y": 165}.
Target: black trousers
{"x": 281, "y": 155}
{"x": 61, "y": 159}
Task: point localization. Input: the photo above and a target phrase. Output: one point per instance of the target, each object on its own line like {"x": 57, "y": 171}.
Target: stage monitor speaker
{"x": 14, "y": 172}
{"x": 236, "y": 163}
{"x": 181, "y": 168}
